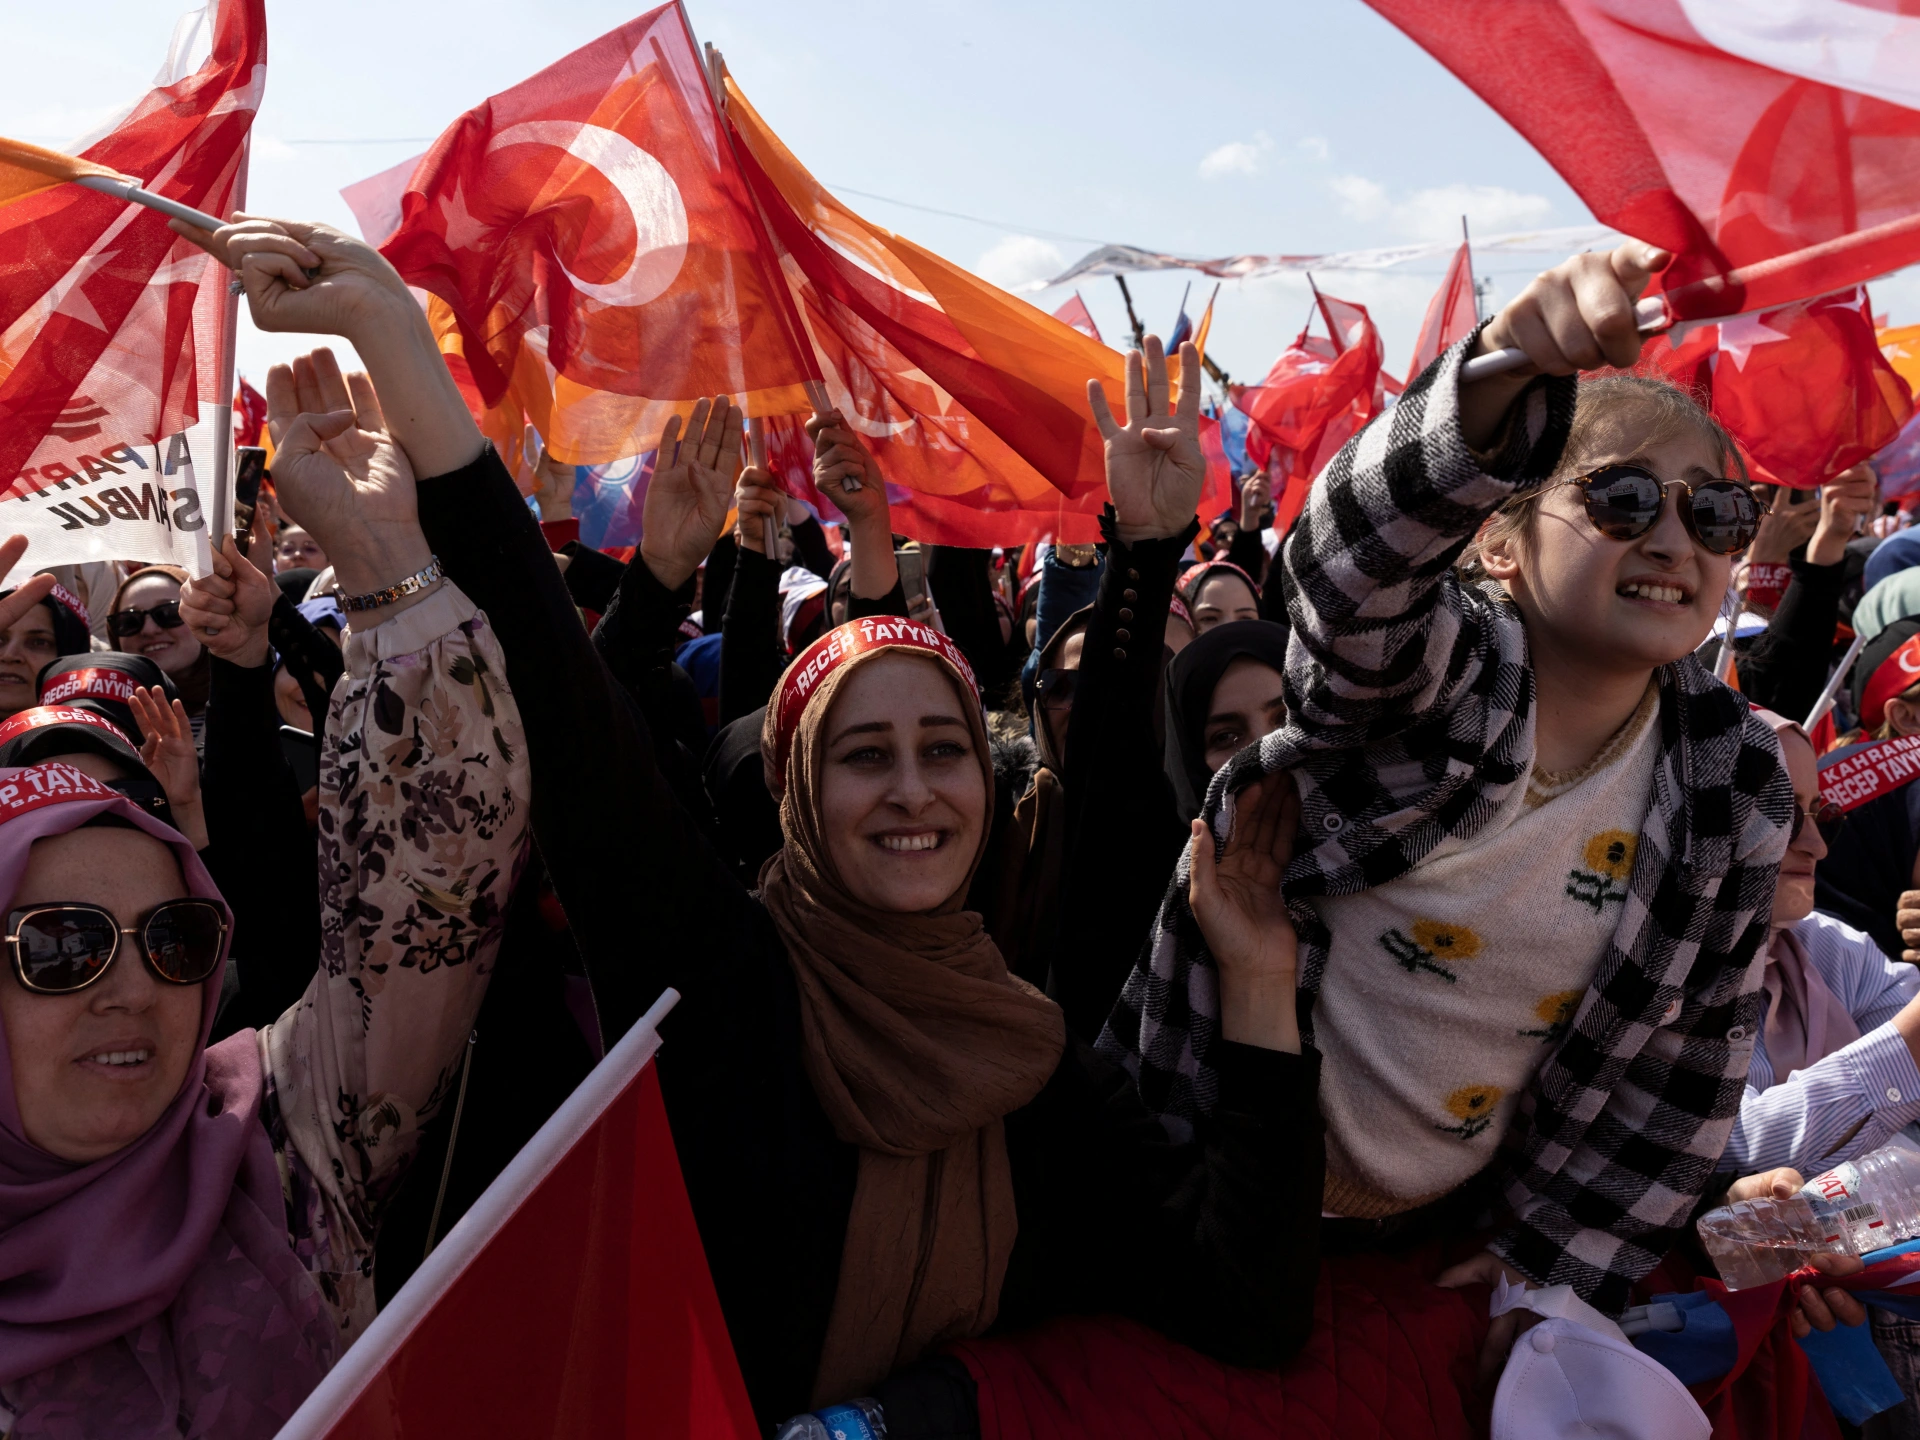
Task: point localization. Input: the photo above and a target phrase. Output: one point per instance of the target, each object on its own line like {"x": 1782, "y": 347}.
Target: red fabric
{"x": 1392, "y": 1357}
{"x": 560, "y": 533}
{"x": 590, "y": 1313}
{"x": 112, "y": 322}
{"x": 1805, "y": 389}
{"x": 1451, "y": 314}
{"x": 1076, "y": 314}
{"x": 249, "y": 414}
{"x": 1728, "y": 152}
{"x": 598, "y": 199}
{"x": 1317, "y": 396}
{"x": 1216, "y": 492}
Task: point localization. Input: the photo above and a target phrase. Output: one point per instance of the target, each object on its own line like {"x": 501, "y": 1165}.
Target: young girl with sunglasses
{"x": 1538, "y": 840}
{"x": 187, "y": 1230}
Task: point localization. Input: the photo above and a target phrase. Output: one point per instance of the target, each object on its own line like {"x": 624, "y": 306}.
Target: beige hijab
{"x": 918, "y": 1042}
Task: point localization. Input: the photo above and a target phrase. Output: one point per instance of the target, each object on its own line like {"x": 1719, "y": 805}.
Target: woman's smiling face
{"x": 902, "y": 793}
{"x": 173, "y": 648}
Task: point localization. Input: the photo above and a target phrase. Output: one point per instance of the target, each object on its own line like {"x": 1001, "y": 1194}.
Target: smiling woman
{"x": 145, "y": 620}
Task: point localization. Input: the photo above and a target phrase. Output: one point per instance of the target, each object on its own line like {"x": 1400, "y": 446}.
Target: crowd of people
{"x": 1439, "y": 892}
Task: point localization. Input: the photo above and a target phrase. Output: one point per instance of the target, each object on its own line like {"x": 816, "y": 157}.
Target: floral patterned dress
{"x": 424, "y": 788}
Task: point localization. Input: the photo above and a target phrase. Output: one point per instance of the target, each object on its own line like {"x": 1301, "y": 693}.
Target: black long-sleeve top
{"x": 1214, "y": 1241}
{"x": 1124, "y": 831}
{"x": 1786, "y": 666}
{"x": 266, "y": 855}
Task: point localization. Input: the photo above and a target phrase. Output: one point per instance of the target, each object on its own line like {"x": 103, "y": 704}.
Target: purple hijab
{"x": 157, "y": 1286}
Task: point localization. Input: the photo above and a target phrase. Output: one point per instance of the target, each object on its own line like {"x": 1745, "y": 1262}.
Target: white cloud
{"x": 1236, "y": 157}
{"x": 1315, "y": 147}
{"x": 1021, "y": 262}
{"x": 1434, "y": 213}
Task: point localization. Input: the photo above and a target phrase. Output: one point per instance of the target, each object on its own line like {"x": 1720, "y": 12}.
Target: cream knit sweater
{"x": 1446, "y": 988}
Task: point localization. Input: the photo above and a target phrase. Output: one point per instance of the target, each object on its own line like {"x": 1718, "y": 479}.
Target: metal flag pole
{"x": 1834, "y": 681}
{"x": 124, "y": 189}
{"x": 220, "y": 522}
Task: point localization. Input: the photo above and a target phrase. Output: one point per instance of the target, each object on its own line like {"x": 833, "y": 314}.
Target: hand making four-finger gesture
{"x": 1154, "y": 465}
{"x": 1236, "y": 901}
{"x": 691, "y": 490}
{"x": 167, "y": 749}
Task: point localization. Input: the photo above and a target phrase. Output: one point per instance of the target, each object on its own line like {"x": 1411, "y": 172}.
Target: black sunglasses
{"x": 1827, "y": 818}
{"x": 58, "y": 949}
{"x": 1624, "y": 502}
{"x": 122, "y": 623}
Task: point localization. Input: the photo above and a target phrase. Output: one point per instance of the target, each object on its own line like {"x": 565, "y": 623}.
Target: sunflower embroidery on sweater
{"x": 1432, "y": 944}
{"x": 1556, "y": 1015}
{"x": 1472, "y": 1106}
{"x": 1609, "y": 857}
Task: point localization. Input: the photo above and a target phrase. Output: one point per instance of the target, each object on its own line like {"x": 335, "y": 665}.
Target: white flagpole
{"x": 564, "y": 1129}
{"x": 220, "y": 518}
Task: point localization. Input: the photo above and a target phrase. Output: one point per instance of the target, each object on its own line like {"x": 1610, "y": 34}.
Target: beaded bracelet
{"x": 412, "y": 585}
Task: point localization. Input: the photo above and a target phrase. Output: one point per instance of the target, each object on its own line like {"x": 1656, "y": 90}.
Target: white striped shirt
{"x": 1872, "y": 1084}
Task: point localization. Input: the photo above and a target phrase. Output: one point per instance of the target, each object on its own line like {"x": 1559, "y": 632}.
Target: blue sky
{"x": 1290, "y": 126}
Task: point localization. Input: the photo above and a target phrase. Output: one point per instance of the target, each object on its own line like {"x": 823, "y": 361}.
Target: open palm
{"x": 1154, "y": 466}
{"x": 334, "y": 465}
{"x": 691, "y": 490}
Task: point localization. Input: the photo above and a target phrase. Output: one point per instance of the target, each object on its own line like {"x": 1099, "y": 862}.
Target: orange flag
{"x": 973, "y": 401}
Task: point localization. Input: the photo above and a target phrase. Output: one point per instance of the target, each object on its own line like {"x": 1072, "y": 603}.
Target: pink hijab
{"x": 158, "y": 1283}
{"x": 1806, "y": 1021}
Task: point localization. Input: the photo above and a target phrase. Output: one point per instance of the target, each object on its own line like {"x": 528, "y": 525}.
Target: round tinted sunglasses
{"x": 1624, "y": 502}
{"x": 58, "y": 949}
{"x": 1826, "y": 816}
{"x": 122, "y": 623}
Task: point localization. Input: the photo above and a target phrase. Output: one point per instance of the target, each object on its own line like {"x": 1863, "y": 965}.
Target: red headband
{"x": 94, "y": 682}
{"x": 22, "y": 721}
{"x": 67, "y": 598}
{"x": 1895, "y": 675}
{"x": 1196, "y": 574}
{"x": 53, "y": 783}
{"x": 834, "y": 649}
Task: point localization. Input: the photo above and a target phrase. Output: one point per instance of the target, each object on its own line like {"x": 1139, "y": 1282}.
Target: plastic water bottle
{"x": 1863, "y": 1205}
{"x": 856, "y": 1420}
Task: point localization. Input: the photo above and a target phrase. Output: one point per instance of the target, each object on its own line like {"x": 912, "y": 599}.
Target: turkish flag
{"x": 1804, "y": 389}
{"x": 110, "y": 324}
{"x": 1451, "y": 314}
{"x": 1781, "y": 140}
{"x": 590, "y": 234}
{"x": 572, "y": 1299}
{"x": 1317, "y": 396}
{"x": 1076, "y": 314}
{"x": 249, "y": 414}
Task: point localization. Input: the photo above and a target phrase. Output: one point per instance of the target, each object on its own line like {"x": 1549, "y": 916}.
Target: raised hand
{"x": 339, "y": 474}
{"x": 1256, "y": 493}
{"x": 228, "y": 610}
{"x": 302, "y": 276}
{"x": 839, "y": 454}
{"x": 1236, "y": 901}
{"x": 691, "y": 490}
{"x": 1154, "y": 465}
{"x": 759, "y": 503}
{"x": 1576, "y": 316}
{"x": 552, "y": 479}
{"x": 29, "y": 593}
{"x": 1845, "y": 501}
{"x": 167, "y": 750}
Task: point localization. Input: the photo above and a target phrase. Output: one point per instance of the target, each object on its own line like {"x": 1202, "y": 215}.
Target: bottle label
{"x": 846, "y": 1422}
{"x": 1838, "y": 1185}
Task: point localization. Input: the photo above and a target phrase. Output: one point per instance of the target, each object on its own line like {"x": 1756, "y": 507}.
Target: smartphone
{"x": 249, "y": 469}
{"x": 302, "y": 749}
{"x": 912, "y": 562}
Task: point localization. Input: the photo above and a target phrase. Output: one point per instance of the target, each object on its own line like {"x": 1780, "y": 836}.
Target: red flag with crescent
{"x": 591, "y": 236}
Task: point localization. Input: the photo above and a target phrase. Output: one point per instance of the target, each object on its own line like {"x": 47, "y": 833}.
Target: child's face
{"x": 1587, "y": 597}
